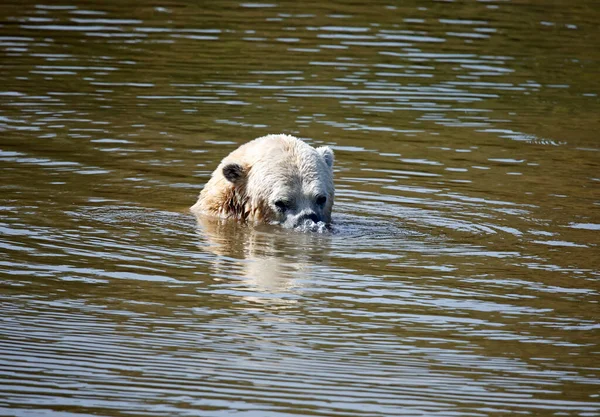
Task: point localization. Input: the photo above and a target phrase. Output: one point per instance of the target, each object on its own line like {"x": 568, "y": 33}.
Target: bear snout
{"x": 306, "y": 220}
{"x": 311, "y": 215}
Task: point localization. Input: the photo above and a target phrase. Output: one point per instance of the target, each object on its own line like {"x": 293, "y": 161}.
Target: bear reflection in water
{"x": 276, "y": 179}
{"x": 269, "y": 259}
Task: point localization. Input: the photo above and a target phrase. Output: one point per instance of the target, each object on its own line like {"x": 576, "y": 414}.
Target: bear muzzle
{"x": 310, "y": 216}
{"x": 307, "y": 219}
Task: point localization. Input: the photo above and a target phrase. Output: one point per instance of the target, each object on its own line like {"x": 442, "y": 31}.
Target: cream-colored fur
{"x": 273, "y": 179}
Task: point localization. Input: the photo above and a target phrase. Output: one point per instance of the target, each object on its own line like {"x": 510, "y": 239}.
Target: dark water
{"x": 462, "y": 278}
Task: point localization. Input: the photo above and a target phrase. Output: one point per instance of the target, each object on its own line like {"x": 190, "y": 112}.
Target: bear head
{"x": 275, "y": 179}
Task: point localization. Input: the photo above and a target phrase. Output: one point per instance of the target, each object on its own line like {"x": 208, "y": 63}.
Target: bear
{"x": 275, "y": 179}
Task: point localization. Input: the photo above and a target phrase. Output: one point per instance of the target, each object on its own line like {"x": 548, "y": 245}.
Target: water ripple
{"x": 459, "y": 275}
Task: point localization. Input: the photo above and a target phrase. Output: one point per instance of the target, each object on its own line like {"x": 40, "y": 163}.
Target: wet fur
{"x": 232, "y": 202}
{"x": 288, "y": 161}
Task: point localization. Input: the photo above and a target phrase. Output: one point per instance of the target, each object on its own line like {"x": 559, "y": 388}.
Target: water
{"x": 460, "y": 277}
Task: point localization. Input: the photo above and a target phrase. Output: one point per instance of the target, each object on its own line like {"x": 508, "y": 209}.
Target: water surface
{"x": 462, "y": 274}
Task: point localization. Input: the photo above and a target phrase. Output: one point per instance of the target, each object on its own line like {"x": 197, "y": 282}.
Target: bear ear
{"x": 234, "y": 173}
{"x": 327, "y": 154}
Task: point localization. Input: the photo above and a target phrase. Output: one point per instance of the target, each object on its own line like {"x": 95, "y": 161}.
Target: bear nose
{"x": 308, "y": 216}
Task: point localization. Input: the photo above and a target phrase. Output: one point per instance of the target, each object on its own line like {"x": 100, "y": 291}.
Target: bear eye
{"x": 321, "y": 200}
{"x": 282, "y": 205}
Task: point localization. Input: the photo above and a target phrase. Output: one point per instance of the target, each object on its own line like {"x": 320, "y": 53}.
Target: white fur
{"x": 276, "y": 168}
